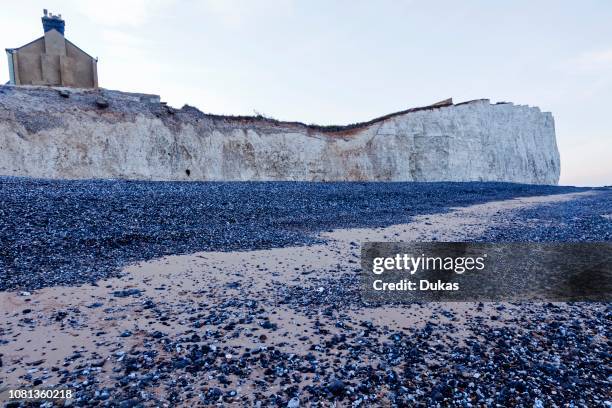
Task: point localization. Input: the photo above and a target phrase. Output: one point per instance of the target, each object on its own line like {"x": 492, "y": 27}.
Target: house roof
{"x": 80, "y": 49}
{"x": 25, "y": 45}
{"x": 40, "y": 38}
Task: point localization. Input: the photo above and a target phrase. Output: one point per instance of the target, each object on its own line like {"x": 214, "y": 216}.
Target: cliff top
{"x": 111, "y": 102}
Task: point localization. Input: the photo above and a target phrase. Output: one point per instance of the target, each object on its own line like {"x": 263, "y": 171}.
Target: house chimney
{"x": 51, "y": 22}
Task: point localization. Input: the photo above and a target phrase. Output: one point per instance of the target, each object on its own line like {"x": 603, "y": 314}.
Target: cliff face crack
{"x": 137, "y": 137}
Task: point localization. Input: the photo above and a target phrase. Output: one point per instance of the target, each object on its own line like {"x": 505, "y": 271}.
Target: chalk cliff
{"x": 55, "y": 133}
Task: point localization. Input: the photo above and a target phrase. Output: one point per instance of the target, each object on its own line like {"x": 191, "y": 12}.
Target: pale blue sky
{"x": 337, "y": 62}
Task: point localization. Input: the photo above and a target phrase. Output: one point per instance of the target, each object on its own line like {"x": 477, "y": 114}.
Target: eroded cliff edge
{"x": 51, "y": 133}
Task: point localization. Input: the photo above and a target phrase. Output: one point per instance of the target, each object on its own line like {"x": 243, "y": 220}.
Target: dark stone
{"x": 336, "y": 387}
{"x": 127, "y": 292}
{"x": 102, "y": 103}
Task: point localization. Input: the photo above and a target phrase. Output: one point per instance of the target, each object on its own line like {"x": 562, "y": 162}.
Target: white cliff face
{"x": 43, "y": 134}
